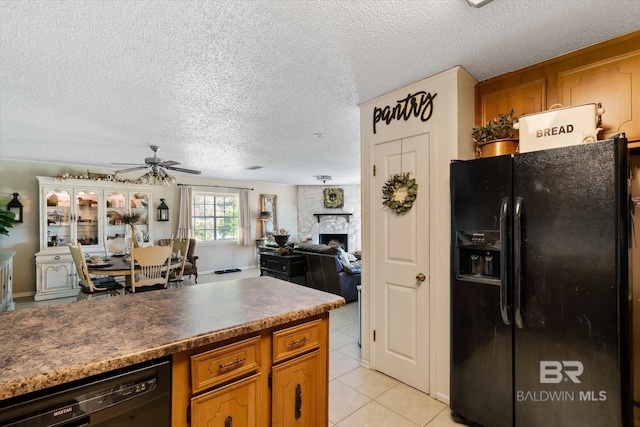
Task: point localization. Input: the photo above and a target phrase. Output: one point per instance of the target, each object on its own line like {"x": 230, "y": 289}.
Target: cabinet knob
{"x": 57, "y": 257}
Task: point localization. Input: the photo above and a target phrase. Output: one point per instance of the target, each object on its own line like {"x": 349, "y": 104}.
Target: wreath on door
{"x": 398, "y": 184}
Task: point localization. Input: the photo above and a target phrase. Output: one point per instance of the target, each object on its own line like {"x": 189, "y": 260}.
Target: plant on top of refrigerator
{"x": 501, "y": 127}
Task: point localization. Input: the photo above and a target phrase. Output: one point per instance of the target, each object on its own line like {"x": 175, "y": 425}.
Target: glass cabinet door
{"x": 116, "y": 204}
{"x": 119, "y": 204}
{"x": 58, "y": 224}
{"x": 116, "y": 230}
{"x": 86, "y": 218}
{"x": 139, "y": 203}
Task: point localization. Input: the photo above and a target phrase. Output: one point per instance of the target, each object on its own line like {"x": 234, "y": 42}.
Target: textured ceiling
{"x": 222, "y": 86}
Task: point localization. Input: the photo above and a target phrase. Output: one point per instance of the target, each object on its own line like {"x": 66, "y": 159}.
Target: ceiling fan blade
{"x": 183, "y": 170}
{"x": 137, "y": 168}
{"x": 132, "y": 164}
{"x": 168, "y": 163}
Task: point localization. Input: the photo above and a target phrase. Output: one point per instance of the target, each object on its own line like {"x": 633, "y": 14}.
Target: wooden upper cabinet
{"x": 612, "y": 83}
{"x": 607, "y": 73}
{"x": 526, "y": 98}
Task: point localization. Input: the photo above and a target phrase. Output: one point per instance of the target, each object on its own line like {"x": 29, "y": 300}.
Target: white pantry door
{"x": 400, "y": 255}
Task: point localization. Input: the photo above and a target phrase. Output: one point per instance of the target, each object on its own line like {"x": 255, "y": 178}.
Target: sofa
{"x": 329, "y": 269}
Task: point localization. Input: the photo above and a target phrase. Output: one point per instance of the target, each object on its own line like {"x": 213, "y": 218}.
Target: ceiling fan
{"x": 156, "y": 164}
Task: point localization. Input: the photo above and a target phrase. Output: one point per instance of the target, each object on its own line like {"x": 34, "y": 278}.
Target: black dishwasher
{"x": 136, "y": 396}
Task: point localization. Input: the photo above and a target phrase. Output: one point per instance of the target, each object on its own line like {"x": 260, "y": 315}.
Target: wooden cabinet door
{"x": 525, "y": 98}
{"x": 298, "y": 393}
{"x": 234, "y": 405}
{"x": 616, "y": 84}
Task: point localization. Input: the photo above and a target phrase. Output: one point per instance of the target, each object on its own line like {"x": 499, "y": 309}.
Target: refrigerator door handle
{"x": 517, "y": 260}
{"x": 504, "y": 215}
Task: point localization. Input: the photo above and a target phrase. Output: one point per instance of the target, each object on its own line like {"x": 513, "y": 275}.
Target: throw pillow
{"x": 343, "y": 257}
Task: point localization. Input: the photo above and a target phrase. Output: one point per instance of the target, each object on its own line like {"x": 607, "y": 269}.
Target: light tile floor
{"x": 362, "y": 397}
{"x": 357, "y": 396}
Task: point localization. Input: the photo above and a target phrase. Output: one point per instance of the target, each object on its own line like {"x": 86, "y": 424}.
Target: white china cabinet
{"x": 6, "y": 281}
{"x": 91, "y": 212}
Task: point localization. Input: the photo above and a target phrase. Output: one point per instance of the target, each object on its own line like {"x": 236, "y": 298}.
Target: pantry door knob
{"x": 420, "y": 277}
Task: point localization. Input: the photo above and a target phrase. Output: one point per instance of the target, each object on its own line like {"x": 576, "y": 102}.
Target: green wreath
{"x": 395, "y": 183}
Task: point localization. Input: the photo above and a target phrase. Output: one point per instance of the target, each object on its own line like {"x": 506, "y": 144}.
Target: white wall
{"x": 310, "y": 202}
{"x": 20, "y": 177}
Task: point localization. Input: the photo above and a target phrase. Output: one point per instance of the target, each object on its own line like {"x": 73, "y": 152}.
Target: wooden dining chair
{"x": 180, "y": 248}
{"x": 103, "y": 286}
{"x": 149, "y": 268}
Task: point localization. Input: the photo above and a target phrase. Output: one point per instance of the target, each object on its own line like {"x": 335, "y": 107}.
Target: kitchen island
{"x": 250, "y": 328}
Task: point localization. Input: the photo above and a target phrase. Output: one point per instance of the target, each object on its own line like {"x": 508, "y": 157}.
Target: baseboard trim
{"x": 23, "y": 294}
{"x": 444, "y": 398}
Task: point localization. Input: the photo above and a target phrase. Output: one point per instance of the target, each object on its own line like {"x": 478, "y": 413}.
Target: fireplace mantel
{"x": 346, "y": 215}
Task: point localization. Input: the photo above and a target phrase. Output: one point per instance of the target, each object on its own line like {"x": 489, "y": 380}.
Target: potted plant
{"x": 6, "y": 219}
{"x": 497, "y": 137}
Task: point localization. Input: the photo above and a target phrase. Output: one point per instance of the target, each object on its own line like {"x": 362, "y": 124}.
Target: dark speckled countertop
{"x": 47, "y": 346}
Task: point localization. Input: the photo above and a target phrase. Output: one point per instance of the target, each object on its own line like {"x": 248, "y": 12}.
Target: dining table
{"x": 121, "y": 266}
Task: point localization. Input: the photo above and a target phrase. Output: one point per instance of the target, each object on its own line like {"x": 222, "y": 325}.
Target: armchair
{"x": 190, "y": 263}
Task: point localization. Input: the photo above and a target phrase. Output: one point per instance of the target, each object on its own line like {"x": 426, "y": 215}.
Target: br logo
{"x": 554, "y": 371}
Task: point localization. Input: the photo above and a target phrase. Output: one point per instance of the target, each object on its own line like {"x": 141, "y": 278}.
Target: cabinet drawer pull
{"x": 238, "y": 361}
{"x": 57, "y": 257}
{"x": 298, "y": 409}
{"x": 297, "y": 342}
{"x": 228, "y": 422}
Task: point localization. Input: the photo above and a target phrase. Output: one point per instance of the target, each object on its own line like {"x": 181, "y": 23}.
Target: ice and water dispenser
{"x": 478, "y": 255}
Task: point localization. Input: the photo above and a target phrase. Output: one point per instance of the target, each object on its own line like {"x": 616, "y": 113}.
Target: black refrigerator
{"x": 540, "y": 296}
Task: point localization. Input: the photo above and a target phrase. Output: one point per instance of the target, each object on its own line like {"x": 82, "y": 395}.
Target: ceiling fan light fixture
{"x": 478, "y": 3}
{"x": 157, "y": 177}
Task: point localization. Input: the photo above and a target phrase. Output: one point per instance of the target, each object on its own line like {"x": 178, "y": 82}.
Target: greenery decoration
{"x": 6, "y": 219}
{"x": 397, "y": 182}
{"x": 95, "y": 177}
{"x": 333, "y": 197}
{"x": 501, "y": 127}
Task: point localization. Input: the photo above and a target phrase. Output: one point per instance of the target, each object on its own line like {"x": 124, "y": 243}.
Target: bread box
{"x": 559, "y": 127}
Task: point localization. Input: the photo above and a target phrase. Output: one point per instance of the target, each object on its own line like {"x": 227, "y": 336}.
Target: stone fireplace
{"x": 315, "y": 220}
{"x": 342, "y": 239}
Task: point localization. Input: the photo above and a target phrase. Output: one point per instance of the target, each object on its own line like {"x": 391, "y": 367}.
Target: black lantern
{"x": 15, "y": 206}
{"x": 163, "y": 211}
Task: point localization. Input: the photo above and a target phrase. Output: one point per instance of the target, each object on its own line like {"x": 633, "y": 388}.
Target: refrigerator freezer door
{"x": 570, "y": 357}
{"x": 481, "y": 342}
